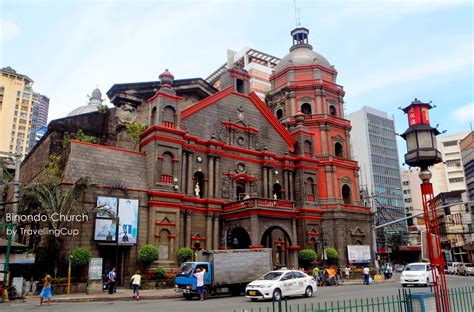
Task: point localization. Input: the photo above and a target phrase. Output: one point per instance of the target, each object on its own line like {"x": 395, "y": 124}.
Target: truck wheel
{"x": 308, "y": 292}
{"x": 188, "y": 296}
{"x": 205, "y": 293}
{"x": 277, "y": 294}
{"x": 235, "y": 291}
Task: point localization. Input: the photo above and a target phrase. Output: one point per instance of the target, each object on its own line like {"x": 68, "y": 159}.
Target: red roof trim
{"x": 206, "y": 102}
{"x": 161, "y": 128}
{"x": 272, "y": 120}
{"x": 165, "y": 95}
{"x": 277, "y": 75}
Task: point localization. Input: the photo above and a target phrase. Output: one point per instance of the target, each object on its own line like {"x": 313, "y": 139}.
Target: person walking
{"x": 200, "y": 282}
{"x": 347, "y": 271}
{"x": 111, "y": 280}
{"x": 135, "y": 281}
{"x": 46, "y": 292}
{"x": 366, "y": 272}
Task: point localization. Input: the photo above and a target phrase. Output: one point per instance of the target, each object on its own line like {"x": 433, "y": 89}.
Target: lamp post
{"x": 422, "y": 152}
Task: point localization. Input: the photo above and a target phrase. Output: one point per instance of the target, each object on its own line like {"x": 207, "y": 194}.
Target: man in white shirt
{"x": 366, "y": 275}
{"x": 200, "y": 282}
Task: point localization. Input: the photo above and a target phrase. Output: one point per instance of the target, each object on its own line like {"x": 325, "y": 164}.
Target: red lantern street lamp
{"x": 422, "y": 152}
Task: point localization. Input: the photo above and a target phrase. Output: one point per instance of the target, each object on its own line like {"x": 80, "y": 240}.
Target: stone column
{"x": 209, "y": 231}
{"x": 217, "y": 179}
{"x": 217, "y": 235}
{"x": 270, "y": 181}
{"x": 291, "y": 188}
{"x": 181, "y": 241}
{"x": 171, "y": 250}
{"x": 265, "y": 181}
{"x": 184, "y": 164}
{"x": 159, "y": 161}
{"x": 348, "y": 144}
{"x": 189, "y": 178}
{"x": 211, "y": 175}
{"x": 206, "y": 187}
{"x": 328, "y": 172}
{"x": 188, "y": 229}
{"x": 324, "y": 145}
{"x": 285, "y": 184}
{"x": 336, "y": 187}
{"x": 175, "y": 163}
{"x": 254, "y": 230}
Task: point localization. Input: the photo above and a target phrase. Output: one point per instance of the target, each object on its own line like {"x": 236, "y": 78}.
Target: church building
{"x": 217, "y": 168}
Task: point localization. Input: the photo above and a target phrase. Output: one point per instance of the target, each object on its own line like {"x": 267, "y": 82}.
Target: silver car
{"x": 466, "y": 269}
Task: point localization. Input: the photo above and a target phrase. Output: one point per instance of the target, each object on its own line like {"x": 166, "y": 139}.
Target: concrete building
{"x": 374, "y": 147}
{"x": 411, "y": 190}
{"x": 217, "y": 168}
{"x": 466, "y": 146}
{"x": 449, "y": 175}
{"x": 259, "y": 66}
{"x": 16, "y": 110}
{"x": 43, "y": 111}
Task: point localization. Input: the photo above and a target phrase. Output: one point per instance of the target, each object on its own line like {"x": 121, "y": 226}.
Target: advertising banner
{"x": 106, "y": 207}
{"x": 105, "y": 230}
{"x": 128, "y": 214}
{"x": 358, "y": 253}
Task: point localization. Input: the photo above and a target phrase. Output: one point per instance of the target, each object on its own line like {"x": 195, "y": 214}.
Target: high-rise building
{"x": 259, "y": 66}
{"x": 374, "y": 146}
{"x": 466, "y": 146}
{"x": 411, "y": 190}
{"x": 16, "y": 110}
{"x": 449, "y": 175}
{"x": 43, "y": 111}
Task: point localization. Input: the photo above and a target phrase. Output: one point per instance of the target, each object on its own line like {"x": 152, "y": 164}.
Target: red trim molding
{"x": 165, "y": 95}
{"x": 294, "y": 247}
{"x": 165, "y": 223}
{"x": 255, "y": 246}
{"x": 206, "y": 102}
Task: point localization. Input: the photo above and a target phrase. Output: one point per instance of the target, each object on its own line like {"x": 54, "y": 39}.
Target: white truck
{"x": 227, "y": 271}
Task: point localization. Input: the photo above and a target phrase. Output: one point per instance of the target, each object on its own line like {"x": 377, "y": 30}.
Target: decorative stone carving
{"x": 253, "y": 189}
{"x": 225, "y": 187}
{"x": 223, "y": 134}
{"x": 126, "y": 114}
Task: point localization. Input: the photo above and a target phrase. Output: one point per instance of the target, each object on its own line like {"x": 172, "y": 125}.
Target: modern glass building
{"x": 374, "y": 147}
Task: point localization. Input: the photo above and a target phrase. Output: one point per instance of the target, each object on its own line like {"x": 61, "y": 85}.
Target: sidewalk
{"x": 121, "y": 295}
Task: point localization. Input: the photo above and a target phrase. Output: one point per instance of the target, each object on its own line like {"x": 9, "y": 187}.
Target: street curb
{"x": 108, "y": 298}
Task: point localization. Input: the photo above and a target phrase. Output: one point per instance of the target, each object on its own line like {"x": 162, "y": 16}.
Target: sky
{"x": 386, "y": 52}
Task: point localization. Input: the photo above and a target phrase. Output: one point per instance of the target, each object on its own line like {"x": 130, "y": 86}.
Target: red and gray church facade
{"x": 219, "y": 169}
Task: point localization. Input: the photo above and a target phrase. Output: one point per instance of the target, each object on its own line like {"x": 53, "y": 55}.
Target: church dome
{"x": 94, "y": 101}
{"x": 301, "y": 53}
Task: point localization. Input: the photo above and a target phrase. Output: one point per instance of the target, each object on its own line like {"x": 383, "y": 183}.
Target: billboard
{"x": 106, "y": 207}
{"x": 128, "y": 226}
{"x": 105, "y": 230}
{"x": 358, "y": 253}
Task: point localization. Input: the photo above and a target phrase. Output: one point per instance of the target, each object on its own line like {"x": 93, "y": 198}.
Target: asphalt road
{"x": 226, "y": 303}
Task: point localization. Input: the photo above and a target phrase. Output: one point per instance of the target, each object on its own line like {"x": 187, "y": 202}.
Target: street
{"x": 225, "y": 303}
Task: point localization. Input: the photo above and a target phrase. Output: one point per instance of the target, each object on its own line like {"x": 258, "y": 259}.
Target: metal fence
{"x": 460, "y": 300}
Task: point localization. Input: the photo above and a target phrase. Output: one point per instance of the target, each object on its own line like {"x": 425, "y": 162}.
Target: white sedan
{"x": 418, "y": 273}
{"x": 281, "y": 283}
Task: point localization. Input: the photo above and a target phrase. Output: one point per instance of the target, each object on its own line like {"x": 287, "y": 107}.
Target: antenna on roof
{"x": 297, "y": 14}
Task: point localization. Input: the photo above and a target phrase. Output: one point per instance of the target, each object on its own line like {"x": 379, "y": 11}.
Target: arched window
{"x": 279, "y": 114}
{"x": 166, "y": 168}
{"x": 169, "y": 117}
{"x": 306, "y": 109}
{"x": 277, "y": 191}
{"x": 332, "y": 110}
{"x": 198, "y": 179}
{"x": 338, "y": 150}
{"x": 308, "y": 150}
{"x": 346, "y": 194}
{"x": 153, "y": 116}
{"x": 297, "y": 148}
{"x": 309, "y": 186}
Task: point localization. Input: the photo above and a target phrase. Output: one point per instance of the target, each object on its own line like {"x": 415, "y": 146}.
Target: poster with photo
{"x": 105, "y": 204}
{"x": 128, "y": 214}
{"x": 105, "y": 230}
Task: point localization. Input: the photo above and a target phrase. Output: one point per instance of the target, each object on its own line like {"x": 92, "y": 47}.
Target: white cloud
{"x": 464, "y": 113}
{"x": 9, "y": 30}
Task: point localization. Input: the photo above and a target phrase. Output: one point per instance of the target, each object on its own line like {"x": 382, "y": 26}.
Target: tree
{"x": 332, "y": 255}
{"x": 306, "y": 256}
{"x": 184, "y": 254}
{"x": 79, "y": 258}
{"x": 396, "y": 241}
{"x": 147, "y": 254}
{"x": 134, "y": 130}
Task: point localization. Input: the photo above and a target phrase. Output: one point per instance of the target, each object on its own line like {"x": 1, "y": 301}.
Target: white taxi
{"x": 418, "y": 273}
{"x": 281, "y": 283}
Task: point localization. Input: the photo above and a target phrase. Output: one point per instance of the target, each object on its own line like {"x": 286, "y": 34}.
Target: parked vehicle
{"x": 281, "y": 283}
{"x": 418, "y": 273}
{"x": 399, "y": 268}
{"x": 227, "y": 271}
{"x": 466, "y": 269}
{"x": 453, "y": 267}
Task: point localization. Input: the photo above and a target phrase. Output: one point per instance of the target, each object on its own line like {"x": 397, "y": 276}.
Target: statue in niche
{"x": 225, "y": 188}
{"x": 197, "y": 190}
